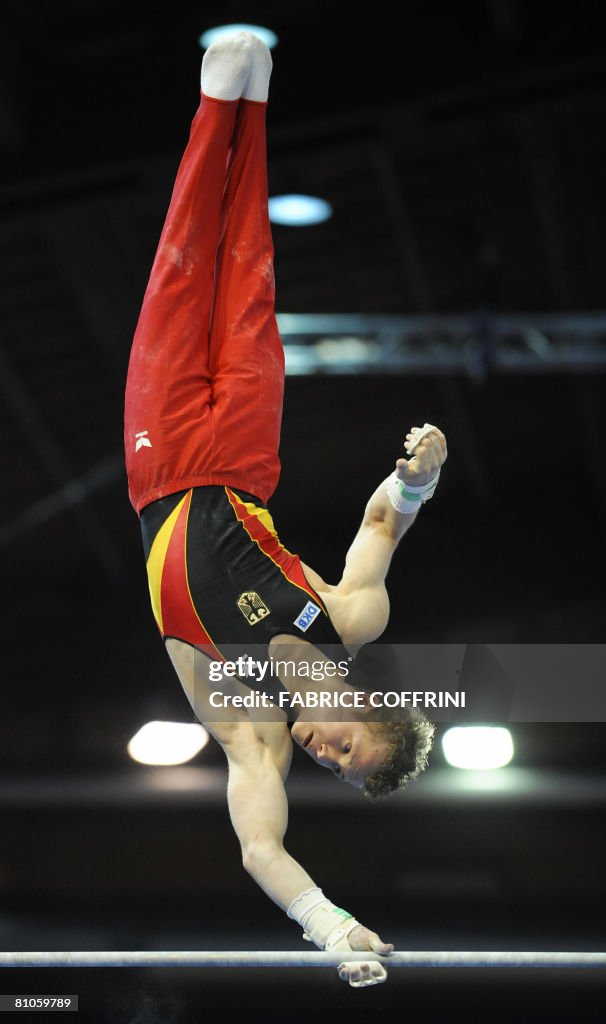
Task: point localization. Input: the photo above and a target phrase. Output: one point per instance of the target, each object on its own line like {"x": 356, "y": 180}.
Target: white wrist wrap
{"x": 323, "y": 923}
{"x": 407, "y": 498}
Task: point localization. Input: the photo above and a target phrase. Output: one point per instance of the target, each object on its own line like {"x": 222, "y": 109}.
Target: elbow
{"x": 258, "y": 854}
{"x": 248, "y": 858}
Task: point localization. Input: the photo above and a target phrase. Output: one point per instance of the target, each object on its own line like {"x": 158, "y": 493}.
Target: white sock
{"x": 257, "y": 87}
{"x": 226, "y": 67}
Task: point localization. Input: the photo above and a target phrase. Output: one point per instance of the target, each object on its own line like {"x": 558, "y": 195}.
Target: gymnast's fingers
{"x": 361, "y": 974}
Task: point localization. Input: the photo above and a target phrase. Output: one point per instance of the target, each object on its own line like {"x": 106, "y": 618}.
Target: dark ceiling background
{"x": 463, "y": 150}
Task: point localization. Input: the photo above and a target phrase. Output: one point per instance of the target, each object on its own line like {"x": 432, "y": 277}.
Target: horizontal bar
{"x": 279, "y": 958}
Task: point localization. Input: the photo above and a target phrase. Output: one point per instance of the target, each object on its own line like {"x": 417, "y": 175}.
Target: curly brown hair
{"x": 409, "y": 737}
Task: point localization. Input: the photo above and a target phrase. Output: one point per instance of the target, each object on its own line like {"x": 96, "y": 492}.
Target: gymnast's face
{"x": 349, "y": 749}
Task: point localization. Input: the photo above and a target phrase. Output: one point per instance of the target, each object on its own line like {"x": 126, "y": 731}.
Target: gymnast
{"x": 203, "y": 412}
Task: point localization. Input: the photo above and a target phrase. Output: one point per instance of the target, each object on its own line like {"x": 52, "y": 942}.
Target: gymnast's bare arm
{"x": 259, "y": 813}
{"x": 259, "y": 754}
{"x": 358, "y": 604}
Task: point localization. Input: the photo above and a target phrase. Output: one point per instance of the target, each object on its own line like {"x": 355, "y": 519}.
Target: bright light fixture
{"x": 298, "y": 210}
{"x": 479, "y": 747}
{"x": 167, "y": 742}
{"x": 221, "y": 31}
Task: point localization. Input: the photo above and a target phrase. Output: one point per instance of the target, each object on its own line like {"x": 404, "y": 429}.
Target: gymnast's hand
{"x": 427, "y": 446}
{"x": 361, "y": 973}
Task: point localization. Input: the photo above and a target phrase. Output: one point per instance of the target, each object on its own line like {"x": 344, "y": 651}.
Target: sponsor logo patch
{"x": 307, "y": 616}
{"x": 253, "y": 607}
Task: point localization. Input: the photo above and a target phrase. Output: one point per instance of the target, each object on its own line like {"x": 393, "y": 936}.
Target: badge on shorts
{"x": 253, "y": 608}
{"x": 307, "y": 616}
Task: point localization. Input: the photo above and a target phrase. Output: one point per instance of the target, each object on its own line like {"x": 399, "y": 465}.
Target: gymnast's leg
{"x": 246, "y": 355}
{"x": 169, "y": 423}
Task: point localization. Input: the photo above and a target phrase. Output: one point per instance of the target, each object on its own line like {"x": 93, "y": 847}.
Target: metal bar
{"x": 280, "y": 958}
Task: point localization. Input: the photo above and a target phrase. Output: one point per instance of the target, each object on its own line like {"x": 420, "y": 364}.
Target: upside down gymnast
{"x": 202, "y": 428}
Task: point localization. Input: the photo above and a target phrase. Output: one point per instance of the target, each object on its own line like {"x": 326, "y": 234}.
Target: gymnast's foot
{"x": 257, "y": 87}
{"x": 235, "y": 67}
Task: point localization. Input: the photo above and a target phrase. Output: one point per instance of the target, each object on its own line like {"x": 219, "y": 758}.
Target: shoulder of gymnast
{"x": 358, "y": 604}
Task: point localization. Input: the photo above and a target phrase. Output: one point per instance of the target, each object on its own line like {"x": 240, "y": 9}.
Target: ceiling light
{"x": 298, "y": 210}
{"x": 211, "y": 35}
{"x": 479, "y": 747}
{"x": 167, "y": 742}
